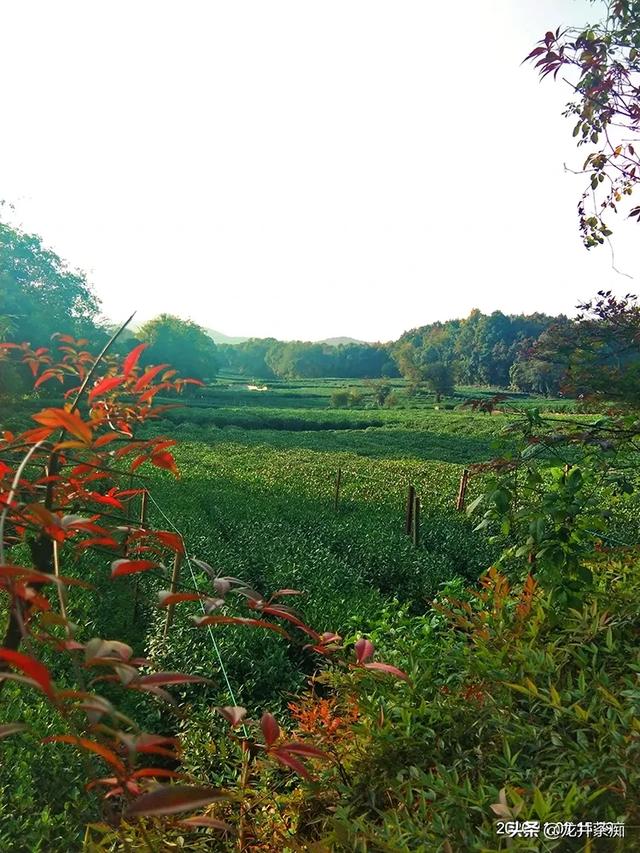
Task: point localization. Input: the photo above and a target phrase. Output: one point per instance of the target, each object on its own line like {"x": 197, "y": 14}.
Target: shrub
{"x": 509, "y": 712}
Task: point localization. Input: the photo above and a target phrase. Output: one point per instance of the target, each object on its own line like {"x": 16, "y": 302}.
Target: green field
{"x": 257, "y": 500}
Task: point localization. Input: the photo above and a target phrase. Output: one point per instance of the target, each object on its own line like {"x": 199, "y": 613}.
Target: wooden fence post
{"x": 464, "y": 481}
{"x": 415, "y": 522}
{"x": 408, "y": 521}
{"x": 175, "y": 579}
{"x": 336, "y": 497}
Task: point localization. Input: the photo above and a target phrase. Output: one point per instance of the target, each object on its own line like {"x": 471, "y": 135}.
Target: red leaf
{"x": 105, "y": 386}
{"x": 171, "y": 799}
{"x": 69, "y": 421}
{"x": 270, "y": 728}
{"x": 158, "y": 678}
{"x": 150, "y": 393}
{"x": 106, "y": 438}
{"x": 284, "y": 614}
{"x": 113, "y": 649}
{"x": 167, "y": 598}
{"x": 280, "y": 592}
{"x": 288, "y": 760}
{"x": 32, "y": 668}
{"x": 304, "y": 749}
{"x": 108, "y": 755}
{"x": 385, "y": 667}
{"x": 181, "y": 382}
{"x": 48, "y": 374}
{"x": 27, "y": 575}
{"x": 156, "y": 772}
{"x": 103, "y": 541}
{"x": 148, "y": 376}
{"x": 152, "y": 744}
{"x": 169, "y": 540}
{"x": 201, "y": 621}
{"x": 138, "y": 462}
{"x": 109, "y": 781}
{"x": 132, "y": 359}
{"x": 109, "y": 500}
{"x": 165, "y": 460}
{"x": 364, "y": 650}
{"x": 535, "y": 52}
{"x": 130, "y": 567}
{"x": 33, "y": 436}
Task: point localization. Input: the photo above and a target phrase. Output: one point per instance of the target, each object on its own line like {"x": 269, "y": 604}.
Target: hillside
{"x": 220, "y": 338}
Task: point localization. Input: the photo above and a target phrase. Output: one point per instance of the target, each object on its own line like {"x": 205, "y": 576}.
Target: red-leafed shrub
{"x": 63, "y": 494}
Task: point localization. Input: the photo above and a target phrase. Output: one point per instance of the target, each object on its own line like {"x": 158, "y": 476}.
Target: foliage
{"x": 480, "y": 349}
{"x": 509, "y": 712}
{"x": 39, "y": 294}
{"x": 269, "y": 358}
{"x": 597, "y": 356}
{"x": 346, "y": 399}
{"x": 602, "y": 61}
{"x": 519, "y": 696}
{"x": 77, "y": 451}
{"x": 181, "y": 343}
{"x": 438, "y": 377}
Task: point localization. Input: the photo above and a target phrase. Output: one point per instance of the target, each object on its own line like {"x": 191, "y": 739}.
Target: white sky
{"x": 300, "y": 169}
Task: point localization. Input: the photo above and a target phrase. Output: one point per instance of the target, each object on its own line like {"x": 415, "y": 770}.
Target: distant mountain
{"x": 219, "y": 338}
{"x": 336, "y": 342}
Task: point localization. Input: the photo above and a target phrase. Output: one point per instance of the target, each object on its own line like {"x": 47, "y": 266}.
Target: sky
{"x": 300, "y": 169}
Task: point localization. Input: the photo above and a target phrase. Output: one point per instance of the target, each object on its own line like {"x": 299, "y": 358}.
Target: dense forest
{"x": 41, "y": 296}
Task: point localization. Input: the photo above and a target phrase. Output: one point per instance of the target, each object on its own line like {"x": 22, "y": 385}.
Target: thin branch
{"x": 101, "y": 355}
{"x": 613, "y": 261}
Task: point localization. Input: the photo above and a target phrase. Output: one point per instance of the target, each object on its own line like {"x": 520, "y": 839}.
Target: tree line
{"x": 41, "y": 295}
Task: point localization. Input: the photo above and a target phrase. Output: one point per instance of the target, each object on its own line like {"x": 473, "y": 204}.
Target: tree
{"x": 39, "y": 294}
{"x": 381, "y": 392}
{"x": 414, "y": 364}
{"x": 439, "y": 378}
{"x": 407, "y": 357}
{"x": 603, "y": 63}
{"x": 249, "y": 357}
{"x": 535, "y": 375}
{"x": 182, "y": 343}
{"x": 597, "y": 355}
{"x": 480, "y": 350}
